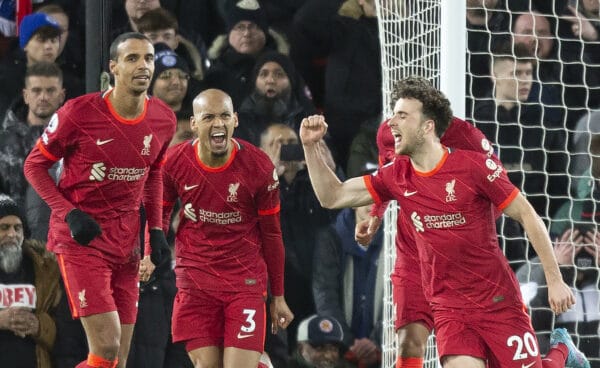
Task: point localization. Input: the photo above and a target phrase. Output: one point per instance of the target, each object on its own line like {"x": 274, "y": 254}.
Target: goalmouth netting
{"x": 435, "y": 39}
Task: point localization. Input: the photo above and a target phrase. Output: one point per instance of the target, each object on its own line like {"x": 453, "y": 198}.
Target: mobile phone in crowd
{"x": 291, "y": 152}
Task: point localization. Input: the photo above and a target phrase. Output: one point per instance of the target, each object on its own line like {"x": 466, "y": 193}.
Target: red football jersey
{"x": 454, "y": 226}
{"x": 106, "y": 162}
{"x": 219, "y": 242}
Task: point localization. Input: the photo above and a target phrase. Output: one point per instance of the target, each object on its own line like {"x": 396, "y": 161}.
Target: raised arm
{"x": 560, "y": 295}
{"x": 329, "y": 190}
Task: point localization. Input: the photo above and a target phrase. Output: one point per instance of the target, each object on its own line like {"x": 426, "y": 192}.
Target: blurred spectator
{"x": 200, "y": 17}
{"x": 71, "y": 53}
{"x": 171, "y": 80}
{"x": 8, "y": 26}
{"x": 233, "y": 54}
{"x": 568, "y": 66}
{"x": 309, "y": 47}
{"x": 576, "y": 246}
{"x": 487, "y": 26}
{"x": 320, "y": 344}
{"x": 39, "y": 38}
{"x": 353, "y": 71}
{"x": 279, "y": 95}
{"x": 24, "y": 123}
{"x": 348, "y": 285}
{"x": 585, "y": 129}
{"x": 301, "y": 217}
{"x": 128, "y": 20}
{"x": 29, "y": 283}
{"x": 152, "y": 344}
{"x": 530, "y": 142}
{"x": 159, "y": 25}
{"x": 363, "y": 155}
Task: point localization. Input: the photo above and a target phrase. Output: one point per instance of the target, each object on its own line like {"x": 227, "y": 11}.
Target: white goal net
{"x": 542, "y": 122}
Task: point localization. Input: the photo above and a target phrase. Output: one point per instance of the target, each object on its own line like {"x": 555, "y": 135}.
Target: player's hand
{"x": 146, "y": 268}
{"x": 312, "y": 129}
{"x": 160, "y": 247}
{"x": 366, "y": 229}
{"x": 83, "y": 227}
{"x": 560, "y": 296}
{"x": 281, "y": 315}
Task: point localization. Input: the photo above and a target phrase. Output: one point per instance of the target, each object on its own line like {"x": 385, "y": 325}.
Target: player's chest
{"x": 216, "y": 190}
{"x": 121, "y": 144}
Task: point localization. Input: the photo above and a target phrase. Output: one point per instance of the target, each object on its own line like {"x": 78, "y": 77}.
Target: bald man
{"x": 229, "y": 242}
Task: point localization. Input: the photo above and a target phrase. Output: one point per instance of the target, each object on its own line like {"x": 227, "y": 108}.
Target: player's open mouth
{"x": 218, "y": 139}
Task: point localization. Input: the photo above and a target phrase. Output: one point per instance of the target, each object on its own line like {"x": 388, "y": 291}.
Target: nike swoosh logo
{"x": 101, "y": 142}
{"x": 188, "y": 187}
{"x": 240, "y": 336}
{"x": 528, "y": 365}
{"x": 408, "y": 194}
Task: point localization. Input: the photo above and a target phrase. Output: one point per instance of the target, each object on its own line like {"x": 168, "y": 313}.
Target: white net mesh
{"x": 543, "y": 137}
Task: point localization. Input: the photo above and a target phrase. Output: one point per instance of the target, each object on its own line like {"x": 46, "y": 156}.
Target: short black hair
{"x": 44, "y": 69}
{"x": 435, "y": 104}
{"x": 156, "y": 20}
{"x": 122, "y": 38}
{"x": 516, "y": 52}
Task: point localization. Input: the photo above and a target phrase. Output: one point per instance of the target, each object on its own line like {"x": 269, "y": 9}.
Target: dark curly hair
{"x": 435, "y": 104}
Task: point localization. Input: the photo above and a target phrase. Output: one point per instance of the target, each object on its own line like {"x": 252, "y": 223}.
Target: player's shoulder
{"x": 82, "y": 103}
{"x": 157, "y": 106}
{"x": 179, "y": 150}
{"x": 471, "y": 159}
{"x": 250, "y": 151}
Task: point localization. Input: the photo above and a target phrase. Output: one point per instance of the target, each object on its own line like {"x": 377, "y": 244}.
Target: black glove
{"x": 83, "y": 227}
{"x": 160, "y": 247}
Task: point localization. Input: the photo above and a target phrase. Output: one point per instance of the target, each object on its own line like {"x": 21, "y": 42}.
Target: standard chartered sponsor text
{"x": 126, "y": 173}
{"x": 444, "y": 221}
{"x": 221, "y": 218}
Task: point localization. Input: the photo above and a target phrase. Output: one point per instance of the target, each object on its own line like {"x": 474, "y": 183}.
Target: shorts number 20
{"x": 528, "y": 341}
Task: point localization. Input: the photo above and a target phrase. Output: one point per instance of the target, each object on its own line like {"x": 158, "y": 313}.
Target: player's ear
{"x": 235, "y": 118}
{"x": 193, "y": 123}
{"x": 112, "y": 66}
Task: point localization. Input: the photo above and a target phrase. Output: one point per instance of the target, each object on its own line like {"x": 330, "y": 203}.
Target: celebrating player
{"x": 112, "y": 145}
{"x": 228, "y": 240}
{"x": 446, "y": 195}
{"x": 414, "y": 320}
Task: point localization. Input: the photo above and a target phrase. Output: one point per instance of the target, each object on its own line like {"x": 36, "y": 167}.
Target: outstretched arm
{"x": 329, "y": 190}
{"x": 560, "y": 295}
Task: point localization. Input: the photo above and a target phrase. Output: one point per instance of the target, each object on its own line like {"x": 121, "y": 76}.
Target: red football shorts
{"x": 219, "y": 318}
{"x": 95, "y": 285}
{"x": 407, "y": 289}
{"x": 504, "y": 336}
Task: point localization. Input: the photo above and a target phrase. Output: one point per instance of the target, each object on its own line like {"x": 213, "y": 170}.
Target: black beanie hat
{"x": 245, "y": 10}
{"x": 164, "y": 59}
{"x": 8, "y": 207}
{"x": 282, "y": 60}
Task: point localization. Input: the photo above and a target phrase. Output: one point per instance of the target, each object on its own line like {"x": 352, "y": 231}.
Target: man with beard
{"x": 25, "y": 121}
{"x": 279, "y": 96}
{"x": 29, "y": 292}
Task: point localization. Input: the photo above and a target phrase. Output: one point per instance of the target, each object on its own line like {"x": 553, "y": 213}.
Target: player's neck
{"x": 127, "y": 105}
{"x": 211, "y": 160}
{"x": 428, "y": 157}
